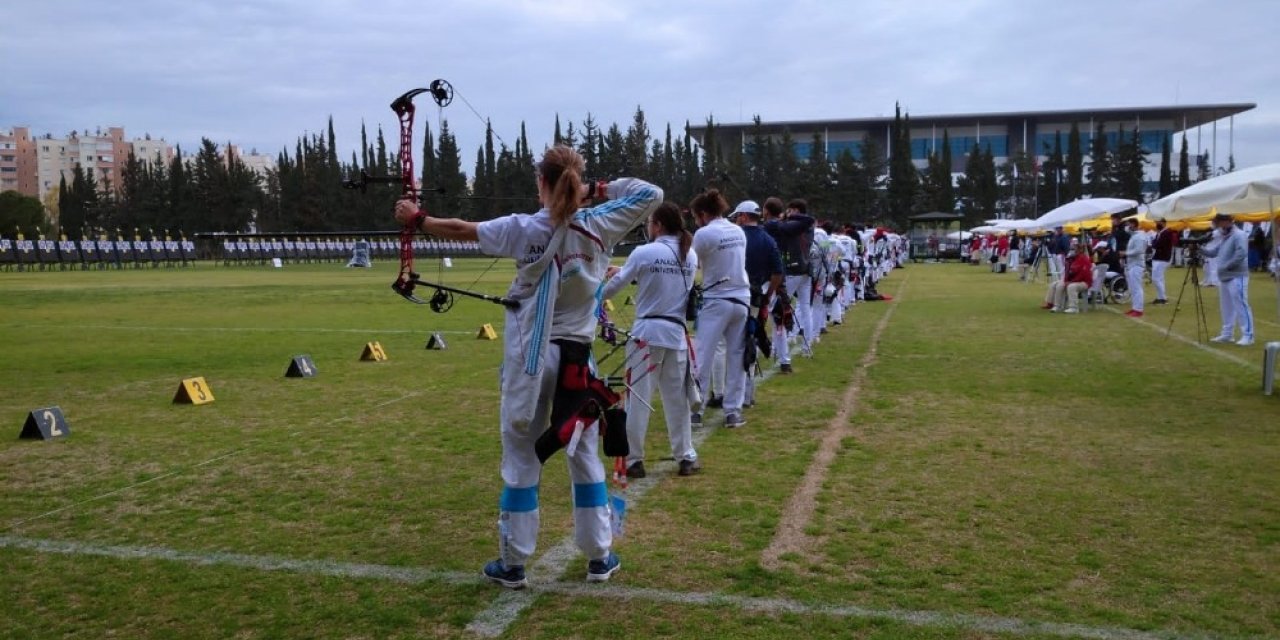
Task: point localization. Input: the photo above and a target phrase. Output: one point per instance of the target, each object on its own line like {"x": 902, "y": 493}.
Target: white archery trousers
{"x": 1233, "y": 300}
{"x": 1133, "y": 275}
{"x": 800, "y": 286}
{"x": 669, "y": 367}
{"x": 726, "y": 320}
{"x": 817, "y": 318}
{"x": 522, "y": 473}
{"x": 1158, "y": 269}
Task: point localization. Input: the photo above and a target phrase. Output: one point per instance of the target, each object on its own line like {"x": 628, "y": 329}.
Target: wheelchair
{"x": 1114, "y": 290}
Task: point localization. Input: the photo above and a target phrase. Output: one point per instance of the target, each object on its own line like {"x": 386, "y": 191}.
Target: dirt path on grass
{"x": 798, "y": 512}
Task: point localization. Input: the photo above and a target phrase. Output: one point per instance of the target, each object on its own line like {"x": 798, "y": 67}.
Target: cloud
{"x": 262, "y": 72}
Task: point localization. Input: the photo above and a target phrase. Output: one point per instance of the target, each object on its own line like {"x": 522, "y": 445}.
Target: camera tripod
{"x": 1193, "y": 278}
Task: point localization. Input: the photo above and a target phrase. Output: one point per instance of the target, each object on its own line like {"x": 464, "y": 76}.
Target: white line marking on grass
{"x": 799, "y": 510}
{"x": 1185, "y": 340}
{"x": 768, "y": 606}
{"x": 255, "y": 329}
{"x": 123, "y": 489}
{"x": 406, "y": 396}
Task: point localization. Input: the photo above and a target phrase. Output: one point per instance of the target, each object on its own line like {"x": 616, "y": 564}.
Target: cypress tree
{"x": 450, "y": 176}
{"x": 1075, "y": 166}
{"x": 816, "y": 175}
{"x": 785, "y": 175}
{"x": 636, "y": 145}
{"x": 1053, "y": 194}
{"x": 589, "y": 146}
{"x": 870, "y": 193}
{"x": 903, "y": 177}
{"x": 1100, "y": 169}
{"x": 1166, "y": 171}
{"x": 1184, "y": 166}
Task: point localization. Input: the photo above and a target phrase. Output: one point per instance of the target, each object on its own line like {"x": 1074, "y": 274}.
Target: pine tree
{"x": 1204, "y": 170}
{"x": 1166, "y": 171}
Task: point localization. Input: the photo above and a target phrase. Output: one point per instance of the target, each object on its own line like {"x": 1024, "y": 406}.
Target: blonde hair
{"x": 562, "y": 168}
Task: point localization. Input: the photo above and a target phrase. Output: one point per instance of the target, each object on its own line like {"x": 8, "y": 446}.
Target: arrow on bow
{"x": 407, "y": 280}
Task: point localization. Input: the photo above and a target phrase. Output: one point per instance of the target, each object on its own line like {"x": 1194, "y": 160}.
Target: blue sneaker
{"x": 602, "y": 570}
{"x": 509, "y": 577}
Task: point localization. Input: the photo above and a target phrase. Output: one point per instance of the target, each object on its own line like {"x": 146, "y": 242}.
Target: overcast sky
{"x": 259, "y": 73}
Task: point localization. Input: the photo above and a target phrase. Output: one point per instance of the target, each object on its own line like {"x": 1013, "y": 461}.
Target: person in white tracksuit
{"x": 1232, "y": 256}
{"x": 663, "y": 271}
{"x": 721, "y": 247}
{"x": 561, "y": 253}
{"x": 820, "y": 275}
{"x": 1135, "y": 255}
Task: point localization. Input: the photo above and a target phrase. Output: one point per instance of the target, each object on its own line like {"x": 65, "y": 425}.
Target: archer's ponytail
{"x": 669, "y": 219}
{"x": 561, "y": 167}
{"x": 709, "y": 203}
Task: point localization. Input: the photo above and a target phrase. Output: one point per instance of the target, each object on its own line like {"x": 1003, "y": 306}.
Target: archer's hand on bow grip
{"x": 407, "y": 213}
{"x": 594, "y": 190}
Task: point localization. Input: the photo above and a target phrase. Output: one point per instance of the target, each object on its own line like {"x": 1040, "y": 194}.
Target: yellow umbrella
{"x": 1144, "y": 221}
{"x": 1100, "y": 224}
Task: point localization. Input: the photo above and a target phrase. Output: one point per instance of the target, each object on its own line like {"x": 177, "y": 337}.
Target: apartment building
{"x": 17, "y": 161}
{"x": 35, "y": 166}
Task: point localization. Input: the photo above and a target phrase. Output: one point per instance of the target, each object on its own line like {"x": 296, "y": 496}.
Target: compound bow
{"x": 407, "y": 280}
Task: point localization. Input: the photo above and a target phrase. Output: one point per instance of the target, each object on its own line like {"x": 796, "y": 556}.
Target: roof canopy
{"x": 936, "y": 216}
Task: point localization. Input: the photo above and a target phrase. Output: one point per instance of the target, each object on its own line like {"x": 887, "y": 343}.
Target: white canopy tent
{"x": 1081, "y": 210}
{"x": 1022, "y": 224}
{"x": 1252, "y": 192}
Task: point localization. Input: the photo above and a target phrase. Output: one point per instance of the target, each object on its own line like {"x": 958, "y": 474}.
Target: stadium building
{"x": 1009, "y": 132}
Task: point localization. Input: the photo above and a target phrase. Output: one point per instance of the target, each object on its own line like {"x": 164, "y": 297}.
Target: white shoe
{"x": 1220, "y": 339}
{"x": 1055, "y": 309}
{"x": 1245, "y": 342}
{"x": 1072, "y": 310}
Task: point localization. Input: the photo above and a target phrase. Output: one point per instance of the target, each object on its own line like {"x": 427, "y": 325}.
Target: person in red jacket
{"x": 1079, "y": 277}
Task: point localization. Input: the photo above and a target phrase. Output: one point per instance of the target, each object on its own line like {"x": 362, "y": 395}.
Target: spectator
{"x": 1064, "y": 294}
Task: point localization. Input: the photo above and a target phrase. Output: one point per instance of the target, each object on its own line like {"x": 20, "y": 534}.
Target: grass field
{"x": 999, "y": 471}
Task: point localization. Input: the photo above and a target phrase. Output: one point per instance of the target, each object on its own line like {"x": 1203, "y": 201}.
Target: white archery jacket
{"x": 559, "y": 273}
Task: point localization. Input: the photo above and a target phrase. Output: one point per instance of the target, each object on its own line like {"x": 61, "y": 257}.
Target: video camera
{"x": 1196, "y": 241}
